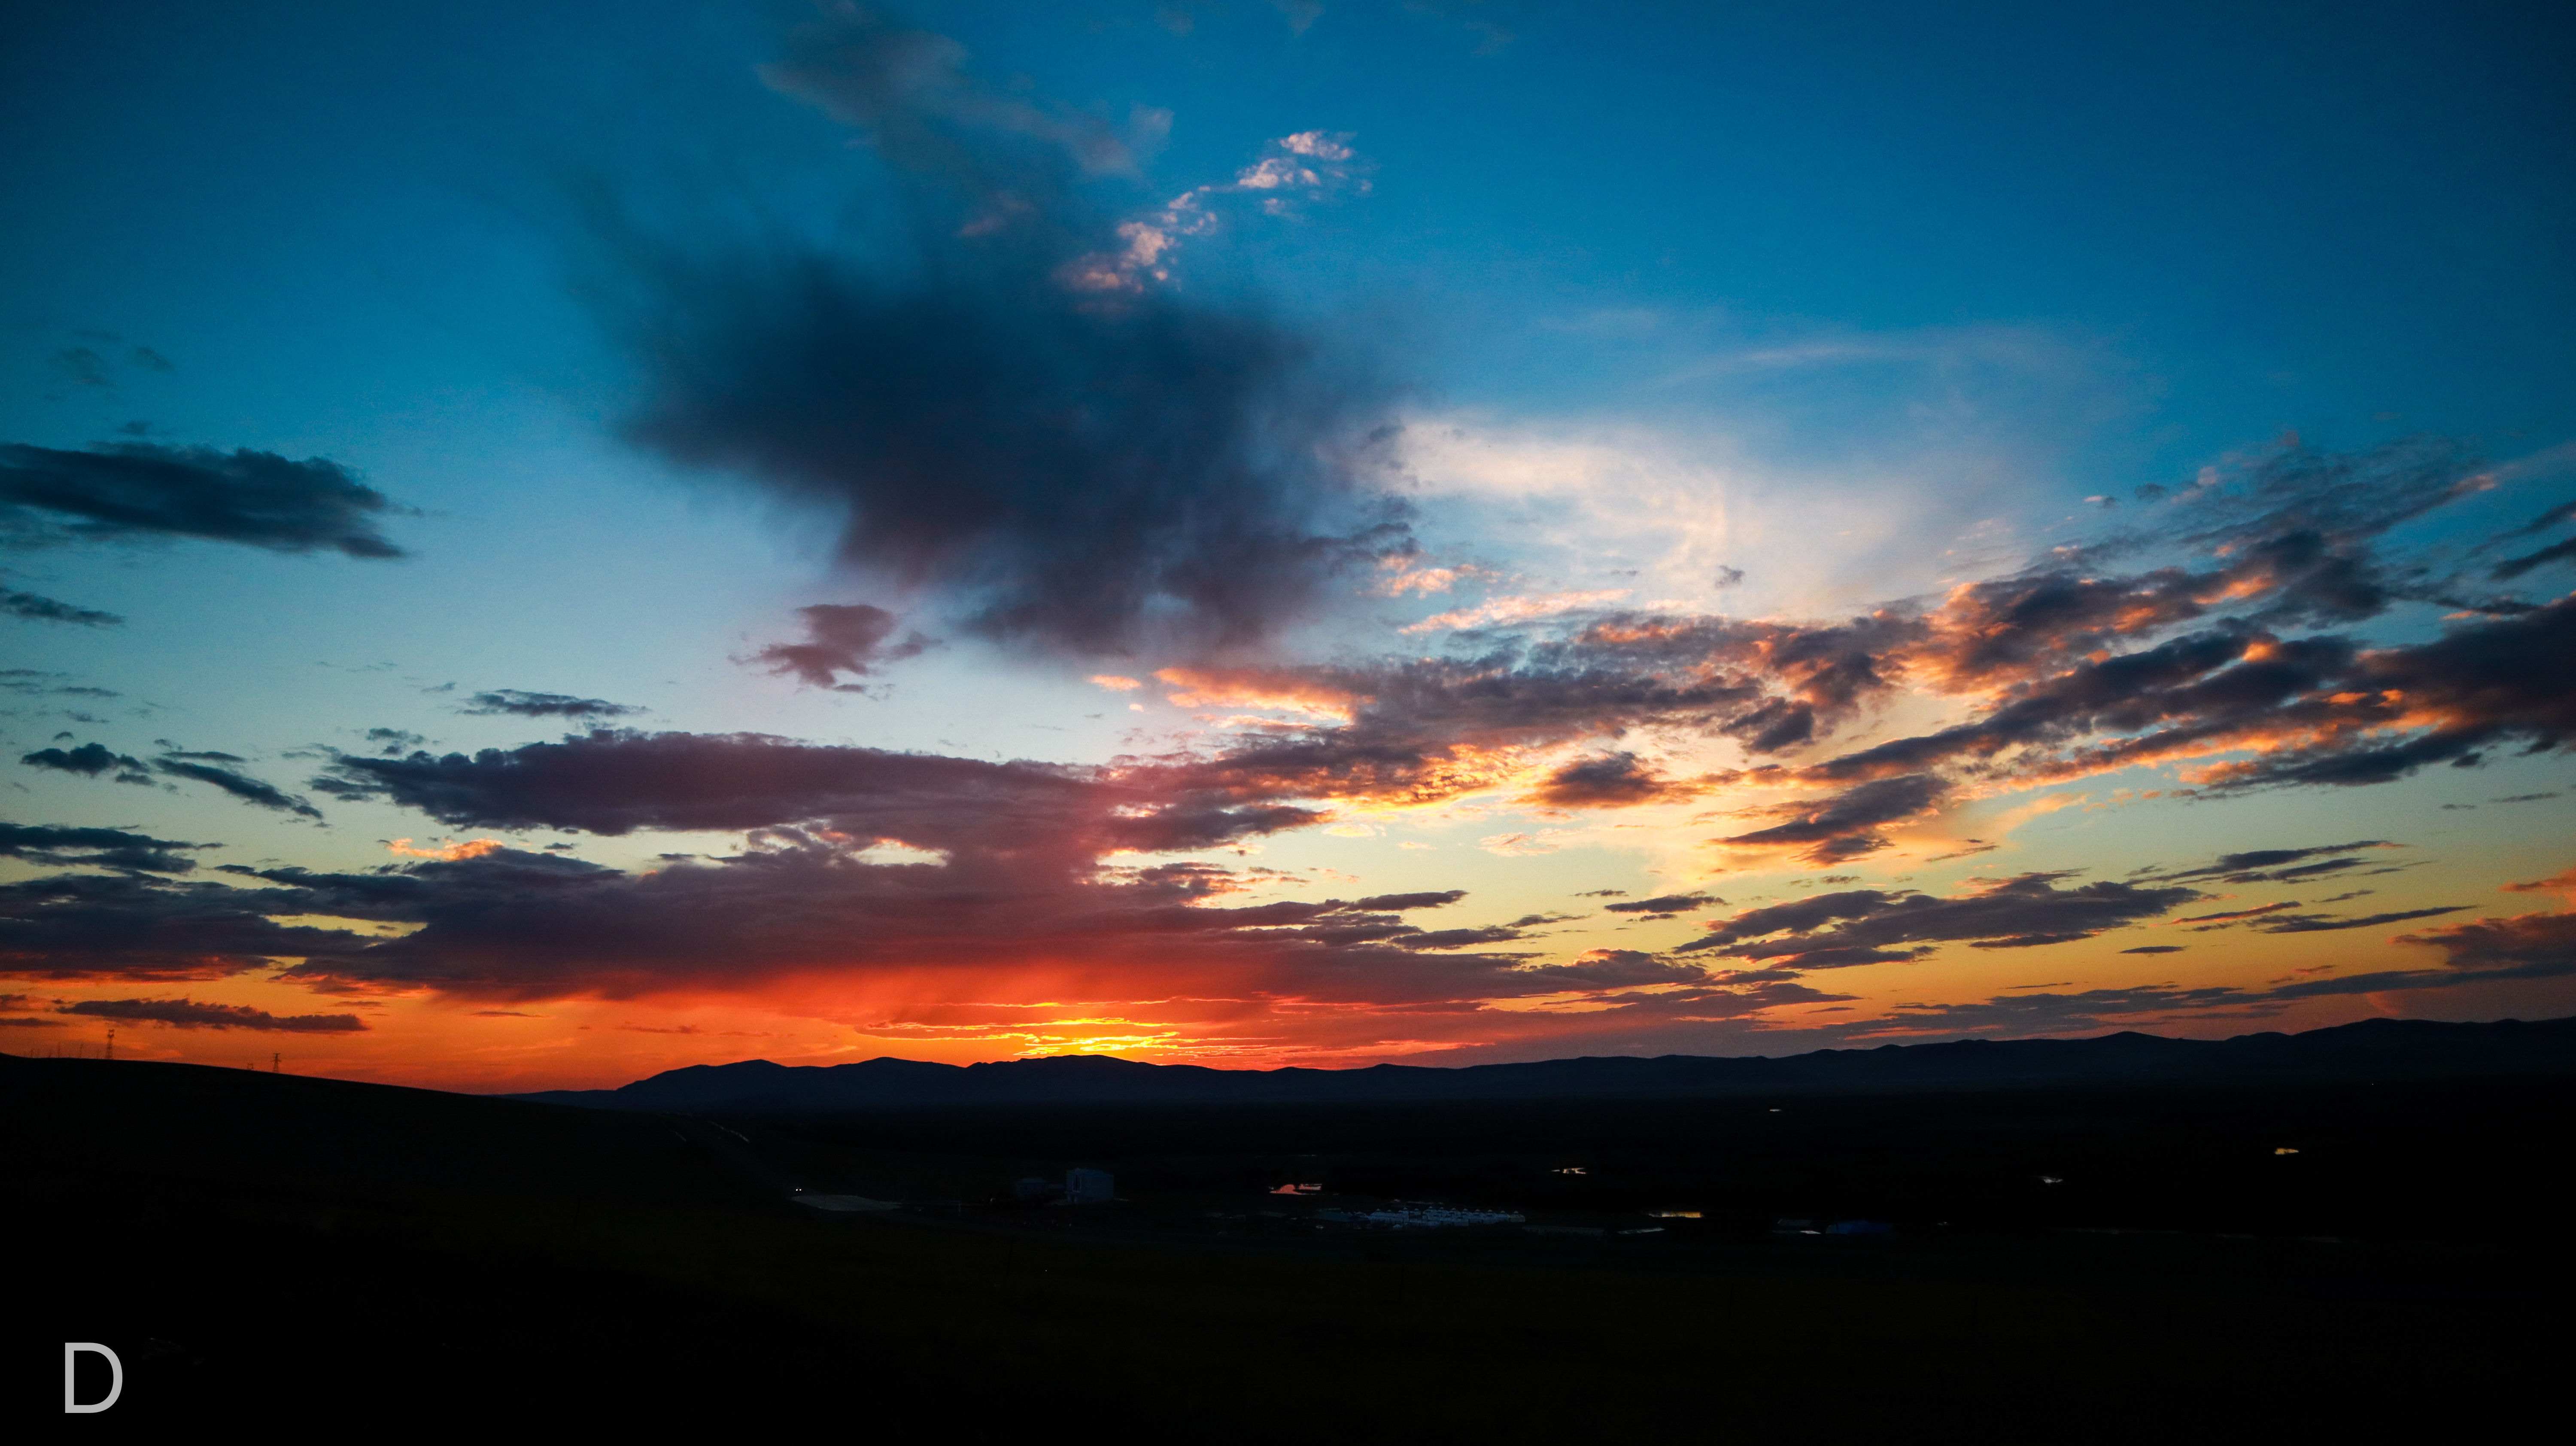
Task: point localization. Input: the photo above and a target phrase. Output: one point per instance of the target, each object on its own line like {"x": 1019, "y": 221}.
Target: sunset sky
{"x": 548, "y": 543}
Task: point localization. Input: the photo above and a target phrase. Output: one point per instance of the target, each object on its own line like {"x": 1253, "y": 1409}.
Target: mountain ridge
{"x": 2394, "y": 1048}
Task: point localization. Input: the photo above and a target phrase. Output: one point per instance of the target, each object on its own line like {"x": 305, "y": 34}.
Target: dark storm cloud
{"x": 1065, "y": 458}
{"x": 106, "y": 848}
{"x": 207, "y": 768}
{"x": 88, "y": 760}
{"x": 840, "y": 638}
{"x": 544, "y": 705}
{"x": 39, "y": 609}
{"x": 69, "y": 927}
{"x": 188, "y": 1014}
{"x": 126, "y": 490}
{"x": 2018, "y": 912}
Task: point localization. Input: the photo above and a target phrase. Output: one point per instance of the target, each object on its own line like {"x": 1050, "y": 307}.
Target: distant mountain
{"x": 2372, "y": 1049}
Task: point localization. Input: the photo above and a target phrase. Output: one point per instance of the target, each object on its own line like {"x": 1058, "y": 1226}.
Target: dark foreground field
{"x": 274, "y": 1253}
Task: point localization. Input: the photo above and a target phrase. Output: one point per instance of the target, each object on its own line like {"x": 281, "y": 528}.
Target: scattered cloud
{"x": 89, "y": 760}
{"x": 515, "y": 703}
{"x": 32, "y": 607}
{"x": 210, "y": 769}
{"x": 1664, "y": 905}
{"x": 73, "y": 926}
{"x": 1504, "y": 610}
{"x": 1609, "y": 780}
{"x": 841, "y": 638}
{"x": 105, "y": 848}
{"x": 1858, "y": 926}
{"x": 125, "y": 491}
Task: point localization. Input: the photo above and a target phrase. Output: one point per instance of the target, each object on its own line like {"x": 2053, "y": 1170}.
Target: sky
{"x": 545, "y": 544}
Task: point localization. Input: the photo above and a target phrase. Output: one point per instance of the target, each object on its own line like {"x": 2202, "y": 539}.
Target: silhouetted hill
{"x": 138, "y": 1118}
{"x": 2371, "y": 1049}
{"x": 298, "y": 1254}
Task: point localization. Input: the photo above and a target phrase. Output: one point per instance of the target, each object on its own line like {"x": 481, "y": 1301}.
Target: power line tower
{"x": 111, "y": 1042}
{"x": 272, "y": 1063}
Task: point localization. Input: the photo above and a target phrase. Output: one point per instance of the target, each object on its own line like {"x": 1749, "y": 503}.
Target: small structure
{"x": 842, "y": 1204}
{"x": 1437, "y": 1217}
{"x": 1089, "y": 1187}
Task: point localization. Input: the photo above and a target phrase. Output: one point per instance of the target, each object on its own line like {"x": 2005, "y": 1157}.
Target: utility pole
{"x": 111, "y": 1042}
{"x": 272, "y": 1063}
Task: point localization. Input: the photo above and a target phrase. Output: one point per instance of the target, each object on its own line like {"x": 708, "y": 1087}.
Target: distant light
{"x": 2285, "y": 1150}
{"x": 2052, "y": 1179}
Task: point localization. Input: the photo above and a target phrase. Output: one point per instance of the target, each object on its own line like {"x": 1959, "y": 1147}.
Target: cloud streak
{"x": 188, "y": 1014}
{"x": 36, "y": 608}
{"x": 106, "y": 848}
{"x": 518, "y": 704}
{"x": 209, "y": 768}
{"x": 127, "y": 491}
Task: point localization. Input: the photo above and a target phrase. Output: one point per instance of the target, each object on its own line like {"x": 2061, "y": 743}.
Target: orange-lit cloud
{"x": 470, "y": 849}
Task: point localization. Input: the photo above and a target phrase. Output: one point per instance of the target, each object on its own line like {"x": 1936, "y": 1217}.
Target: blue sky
{"x": 1865, "y": 303}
